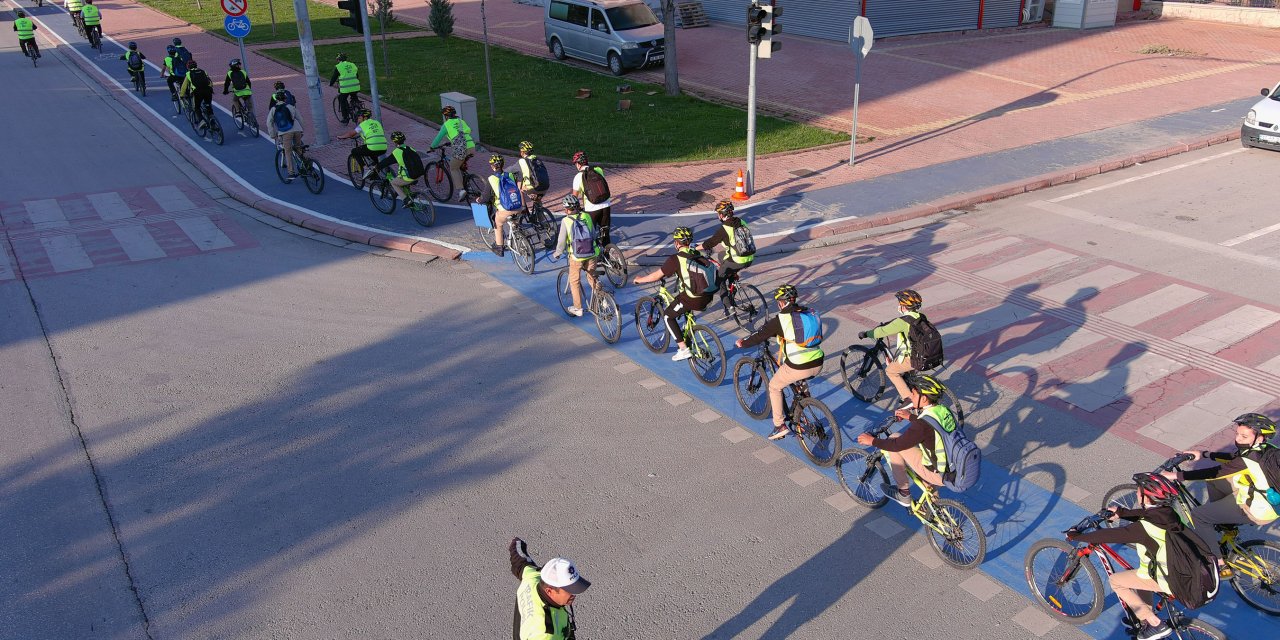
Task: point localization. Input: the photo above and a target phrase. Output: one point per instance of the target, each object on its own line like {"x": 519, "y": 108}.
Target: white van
{"x": 620, "y": 34}
{"x": 1261, "y": 127}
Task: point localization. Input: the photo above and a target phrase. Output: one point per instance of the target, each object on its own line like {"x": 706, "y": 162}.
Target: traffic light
{"x": 769, "y": 28}
{"x": 755, "y": 23}
{"x": 355, "y": 8}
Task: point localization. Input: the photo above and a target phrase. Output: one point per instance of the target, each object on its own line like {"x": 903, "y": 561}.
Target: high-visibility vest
{"x": 372, "y": 134}
{"x": 348, "y": 78}
{"x": 795, "y": 353}
{"x": 26, "y": 28}
{"x": 91, "y": 15}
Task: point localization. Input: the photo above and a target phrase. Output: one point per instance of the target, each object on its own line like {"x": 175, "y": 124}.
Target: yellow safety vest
{"x": 26, "y": 28}
{"x": 91, "y": 15}
{"x": 742, "y": 260}
{"x": 1250, "y": 487}
{"x": 537, "y": 618}
{"x": 937, "y": 458}
{"x": 1159, "y": 573}
{"x": 372, "y": 135}
{"x": 348, "y": 80}
{"x": 794, "y": 352}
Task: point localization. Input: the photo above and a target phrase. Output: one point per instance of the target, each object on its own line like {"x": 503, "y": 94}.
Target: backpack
{"x": 1193, "y": 569}
{"x": 807, "y": 326}
{"x": 926, "y": 343}
{"x": 539, "y": 179}
{"x": 413, "y": 166}
{"x": 582, "y": 236}
{"x": 180, "y": 59}
{"x": 594, "y": 186}
{"x": 282, "y": 117}
{"x": 964, "y": 458}
{"x": 200, "y": 79}
{"x": 509, "y": 192}
{"x": 702, "y": 275}
{"x": 288, "y": 97}
{"x": 744, "y": 244}
{"x": 1269, "y": 459}
{"x": 239, "y": 80}
{"x": 133, "y": 59}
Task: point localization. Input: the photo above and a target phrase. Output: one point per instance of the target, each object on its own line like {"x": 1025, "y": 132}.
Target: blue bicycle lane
{"x": 1015, "y": 512}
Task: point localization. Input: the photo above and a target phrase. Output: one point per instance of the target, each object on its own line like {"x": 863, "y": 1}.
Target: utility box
{"x": 1084, "y": 14}
{"x": 465, "y": 105}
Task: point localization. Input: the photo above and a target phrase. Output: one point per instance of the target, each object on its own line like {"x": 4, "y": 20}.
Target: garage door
{"x": 826, "y": 19}
{"x": 902, "y": 17}
{"x": 1001, "y": 13}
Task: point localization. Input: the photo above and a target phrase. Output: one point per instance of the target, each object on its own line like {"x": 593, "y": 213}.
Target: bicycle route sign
{"x": 235, "y": 7}
{"x": 237, "y": 26}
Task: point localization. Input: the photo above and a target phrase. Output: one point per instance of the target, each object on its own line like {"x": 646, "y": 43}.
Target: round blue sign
{"x": 237, "y": 26}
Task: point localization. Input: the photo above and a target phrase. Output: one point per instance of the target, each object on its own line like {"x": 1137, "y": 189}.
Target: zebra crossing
{"x": 51, "y": 236}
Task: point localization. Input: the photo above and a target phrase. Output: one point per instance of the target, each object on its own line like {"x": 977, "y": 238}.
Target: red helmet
{"x": 1157, "y": 489}
{"x": 580, "y": 157}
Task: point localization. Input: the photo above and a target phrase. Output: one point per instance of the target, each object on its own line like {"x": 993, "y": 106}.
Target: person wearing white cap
{"x": 544, "y": 600}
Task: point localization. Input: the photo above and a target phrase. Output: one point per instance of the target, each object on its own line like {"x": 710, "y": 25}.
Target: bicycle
{"x": 1252, "y": 566}
{"x": 139, "y": 80}
{"x": 743, "y": 302}
{"x": 384, "y": 198}
{"x": 33, "y": 52}
{"x": 356, "y": 106}
{"x": 357, "y": 164}
{"x": 245, "y": 117}
{"x": 601, "y": 303}
{"x": 863, "y": 368}
{"x": 615, "y": 263}
{"x": 206, "y": 124}
{"x": 708, "y": 359}
{"x": 1065, "y": 584}
{"x": 78, "y": 21}
{"x": 310, "y": 171}
{"x": 954, "y": 532}
{"x": 440, "y": 182}
{"x": 808, "y": 417}
{"x": 95, "y": 38}
{"x": 541, "y": 221}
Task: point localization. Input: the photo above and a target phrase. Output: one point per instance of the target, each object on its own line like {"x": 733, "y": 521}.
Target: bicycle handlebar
{"x": 1173, "y": 463}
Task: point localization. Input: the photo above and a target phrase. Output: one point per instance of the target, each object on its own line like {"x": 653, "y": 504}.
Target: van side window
{"x": 597, "y": 21}
{"x": 578, "y": 14}
{"x": 559, "y": 11}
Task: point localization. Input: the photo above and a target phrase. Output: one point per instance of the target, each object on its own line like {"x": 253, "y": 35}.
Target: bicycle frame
{"x": 922, "y": 508}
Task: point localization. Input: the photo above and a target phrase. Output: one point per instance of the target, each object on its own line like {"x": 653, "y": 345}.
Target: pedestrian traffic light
{"x": 755, "y": 23}
{"x": 355, "y": 8}
{"x": 769, "y": 28}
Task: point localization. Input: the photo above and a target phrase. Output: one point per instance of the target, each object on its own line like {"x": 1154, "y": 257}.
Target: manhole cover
{"x": 690, "y": 196}
{"x": 1185, "y": 218}
{"x": 803, "y": 173}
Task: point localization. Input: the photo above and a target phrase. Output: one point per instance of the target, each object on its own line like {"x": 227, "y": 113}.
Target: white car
{"x": 1261, "y": 127}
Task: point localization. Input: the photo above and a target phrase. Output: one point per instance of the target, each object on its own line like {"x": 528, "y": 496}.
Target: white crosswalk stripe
{"x": 1154, "y": 304}
{"x": 1036, "y": 353}
{"x": 137, "y": 243}
{"x": 204, "y": 233}
{"x": 66, "y": 253}
{"x": 170, "y": 198}
{"x": 45, "y": 214}
{"x": 933, "y": 296}
{"x": 1116, "y": 381}
{"x": 1097, "y": 280}
{"x": 1026, "y": 265}
{"x": 1193, "y": 423}
{"x": 953, "y": 256}
{"x": 110, "y": 206}
{"x": 1218, "y": 334}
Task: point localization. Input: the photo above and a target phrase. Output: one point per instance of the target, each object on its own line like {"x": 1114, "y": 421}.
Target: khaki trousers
{"x": 287, "y": 140}
{"x": 575, "y": 278}
{"x": 455, "y": 172}
{"x": 500, "y": 217}
{"x": 895, "y": 370}
{"x": 1135, "y": 588}
{"x": 900, "y": 460}
{"x": 782, "y": 378}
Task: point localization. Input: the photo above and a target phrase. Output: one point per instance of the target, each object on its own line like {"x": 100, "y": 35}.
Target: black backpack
{"x": 133, "y": 59}
{"x": 412, "y": 163}
{"x": 594, "y": 186}
{"x": 1192, "y": 567}
{"x": 199, "y": 79}
{"x": 539, "y": 179}
{"x": 926, "y": 343}
{"x": 1268, "y": 457}
{"x": 239, "y": 80}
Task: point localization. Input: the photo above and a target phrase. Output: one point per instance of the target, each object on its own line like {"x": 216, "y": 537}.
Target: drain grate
{"x": 803, "y": 173}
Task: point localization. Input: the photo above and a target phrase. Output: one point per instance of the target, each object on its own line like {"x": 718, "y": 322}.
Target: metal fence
{"x": 1261, "y": 4}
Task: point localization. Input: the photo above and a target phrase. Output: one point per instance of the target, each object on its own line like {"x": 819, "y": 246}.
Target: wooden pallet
{"x": 689, "y": 14}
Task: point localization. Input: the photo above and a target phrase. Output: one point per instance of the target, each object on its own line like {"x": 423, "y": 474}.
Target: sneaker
{"x": 498, "y": 250}
{"x": 1149, "y": 632}
{"x": 891, "y": 492}
{"x": 462, "y": 195}
{"x": 779, "y": 433}
{"x": 575, "y": 311}
{"x": 682, "y": 354}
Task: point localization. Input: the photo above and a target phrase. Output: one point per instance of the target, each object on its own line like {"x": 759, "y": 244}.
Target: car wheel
{"x": 615, "y": 64}
{"x": 557, "y": 50}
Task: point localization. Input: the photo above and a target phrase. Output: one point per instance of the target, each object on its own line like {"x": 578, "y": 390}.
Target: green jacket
{"x": 450, "y": 131}
{"x": 898, "y": 327}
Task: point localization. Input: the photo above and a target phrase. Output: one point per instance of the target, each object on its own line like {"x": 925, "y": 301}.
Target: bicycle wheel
{"x": 708, "y": 356}
{"x": 215, "y": 130}
{"x": 474, "y": 186}
{"x": 521, "y": 252}
{"x": 650, "y": 325}
{"x": 177, "y": 105}
{"x": 547, "y": 224}
{"x": 486, "y": 237}
{"x": 608, "y": 320}
{"x": 282, "y": 170}
{"x": 863, "y": 372}
{"x": 1124, "y": 496}
{"x": 749, "y": 309}
{"x": 238, "y": 118}
{"x": 313, "y": 176}
{"x": 961, "y": 542}
{"x": 337, "y": 109}
{"x": 355, "y": 171}
{"x": 862, "y": 479}
{"x": 1199, "y": 630}
{"x": 439, "y": 182}
{"x": 1257, "y": 577}
{"x": 1062, "y": 583}
{"x": 382, "y": 196}
{"x": 751, "y": 385}
{"x": 252, "y": 120}
{"x": 818, "y": 431}
{"x": 615, "y": 265}
{"x": 424, "y": 210}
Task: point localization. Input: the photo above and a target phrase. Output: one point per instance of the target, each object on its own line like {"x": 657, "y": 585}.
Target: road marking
{"x": 1191, "y": 424}
{"x": 1155, "y": 234}
{"x": 1270, "y": 366}
{"x": 138, "y": 243}
{"x": 1144, "y": 176}
{"x": 1117, "y": 381}
{"x": 6, "y": 267}
{"x": 677, "y": 399}
{"x": 1250, "y": 236}
{"x": 66, "y": 253}
{"x": 885, "y": 527}
{"x": 170, "y": 198}
{"x": 957, "y": 255}
{"x": 981, "y": 587}
{"x": 1034, "y": 620}
{"x": 840, "y": 502}
{"x": 45, "y": 214}
{"x": 769, "y": 454}
{"x": 1026, "y": 265}
{"x": 1156, "y": 303}
{"x": 1098, "y": 279}
{"x": 705, "y": 416}
{"x": 804, "y": 476}
{"x": 736, "y": 435}
{"x": 997, "y": 317}
{"x": 110, "y": 206}
{"x": 1218, "y": 334}
{"x": 204, "y": 233}
{"x": 1036, "y": 353}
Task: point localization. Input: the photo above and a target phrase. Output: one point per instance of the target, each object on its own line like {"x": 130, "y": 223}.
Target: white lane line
{"x": 1190, "y": 424}
{"x": 957, "y": 255}
{"x": 739, "y": 208}
{"x": 1249, "y": 236}
{"x": 66, "y": 253}
{"x": 110, "y": 206}
{"x": 6, "y": 268}
{"x": 204, "y": 233}
{"x": 1098, "y": 280}
{"x": 138, "y": 243}
{"x": 1146, "y": 175}
{"x": 1156, "y": 234}
{"x": 170, "y": 198}
{"x": 1026, "y": 265}
{"x": 1218, "y": 334}
{"x": 45, "y": 214}
{"x": 1153, "y": 304}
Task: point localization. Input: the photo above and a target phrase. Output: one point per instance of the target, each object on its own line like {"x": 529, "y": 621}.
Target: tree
{"x": 382, "y": 11}
{"x": 441, "y": 18}
{"x": 669, "y": 41}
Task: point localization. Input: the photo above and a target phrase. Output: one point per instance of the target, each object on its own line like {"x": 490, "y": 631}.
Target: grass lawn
{"x": 324, "y": 19}
{"x": 535, "y": 101}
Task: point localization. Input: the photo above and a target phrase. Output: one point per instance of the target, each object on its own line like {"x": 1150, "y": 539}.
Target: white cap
{"x": 561, "y": 573}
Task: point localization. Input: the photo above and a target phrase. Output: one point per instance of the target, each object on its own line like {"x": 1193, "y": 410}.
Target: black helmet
{"x": 280, "y": 97}
{"x": 171, "y": 49}
{"x": 364, "y": 113}
{"x": 1260, "y": 424}
{"x": 177, "y": 42}
{"x": 20, "y": 13}
{"x": 724, "y": 208}
{"x": 497, "y": 161}
{"x": 342, "y": 57}
{"x": 786, "y": 292}
{"x": 279, "y": 84}
{"x": 449, "y": 112}
{"x": 191, "y": 64}
{"x": 925, "y": 384}
{"x": 235, "y": 62}
{"x": 909, "y": 299}
{"x": 397, "y": 137}
{"x": 133, "y": 46}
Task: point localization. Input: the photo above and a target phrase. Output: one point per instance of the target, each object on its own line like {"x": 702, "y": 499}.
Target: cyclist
{"x": 288, "y": 95}
{"x": 26, "y": 29}
{"x": 174, "y": 69}
{"x": 398, "y": 156}
{"x": 133, "y": 60}
{"x": 494, "y": 200}
{"x": 373, "y": 137}
{"x": 238, "y": 79}
{"x": 1237, "y": 484}
{"x": 797, "y": 362}
{"x": 578, "y": 261}
{"x": 918, "y": 446}
{"x": 732, "y": 262}
{"x": 74, "y": 7}
{"x": 544, "y": 600}
{"x": 285, "y": 126}
{"x": 528, "y": 173}
{"x": 600, "y": 211}
{"x": 92, "y": 18}
{"x": 909, "y": 303}
{"x": 461, "y": 146}
{"x": 687, "y": 299}
{"x": 1151, "y": 522}
{"x": 198, "y": 84}
{"x": 347, "y": 76}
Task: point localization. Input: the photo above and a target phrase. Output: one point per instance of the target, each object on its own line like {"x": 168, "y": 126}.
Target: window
{"x": 578, "y": 15}
{"x": 631, "y": 16}
{"x": 559, "y": 11}
{"x": 597, "y": 21}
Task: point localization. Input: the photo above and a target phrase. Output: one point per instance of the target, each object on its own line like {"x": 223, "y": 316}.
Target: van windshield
{"x": 632, "y": 16}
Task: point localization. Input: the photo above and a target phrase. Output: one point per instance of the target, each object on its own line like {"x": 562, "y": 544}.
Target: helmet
{"x": 925, "y": 384}
{"x": 682, "y": 234}
{"x": 572, "y": 203}
{"x": 497, "y": 161}
{"x": 279, "y": 84}
{"x": 449, "y": 112}
{"x": 1260, "y": 424}
{"x": 1157, "y": 489}
{"x": 133, "y": 46}
{"x": 280, "y": 97}
{"x": 177, "y": 42}
{"x": 580, "y": 157}
{"x": 525, "y": 146}
{"x": 397, "y": 137}
{"x": 21, "y": 14}
{"x": 364, "y": 113}
{"x": 909, "y": 299}
{"x": 171, "y": 49}
{"x": 342, "y": 57}
{"x": 786, "y": 292}
{"x": 724, "y": 208}
{"x": 191, "y": 64}
{"x": 235, "y": 62}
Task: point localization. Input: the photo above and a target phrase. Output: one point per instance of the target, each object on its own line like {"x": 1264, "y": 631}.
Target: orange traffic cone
{"x": 740, "y": 191}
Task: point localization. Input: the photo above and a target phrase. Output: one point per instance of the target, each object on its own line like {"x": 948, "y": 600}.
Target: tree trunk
{"x": 669, "y": 38}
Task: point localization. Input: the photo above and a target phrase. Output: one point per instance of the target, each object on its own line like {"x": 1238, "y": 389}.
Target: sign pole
{"x": 312, "y": 72}
{"x": 750, "y": 178}
{"x": 857, "y": 87}
{"x": 244, "y": 60}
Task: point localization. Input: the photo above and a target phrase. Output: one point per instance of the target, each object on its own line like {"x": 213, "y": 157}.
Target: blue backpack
{"x": 808, "y": 327}
{"x": 509, "y": 195}
{"x": 964, "y": 458}
{"x": 283, "y": 119}
{"x": 180, "y": 59}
